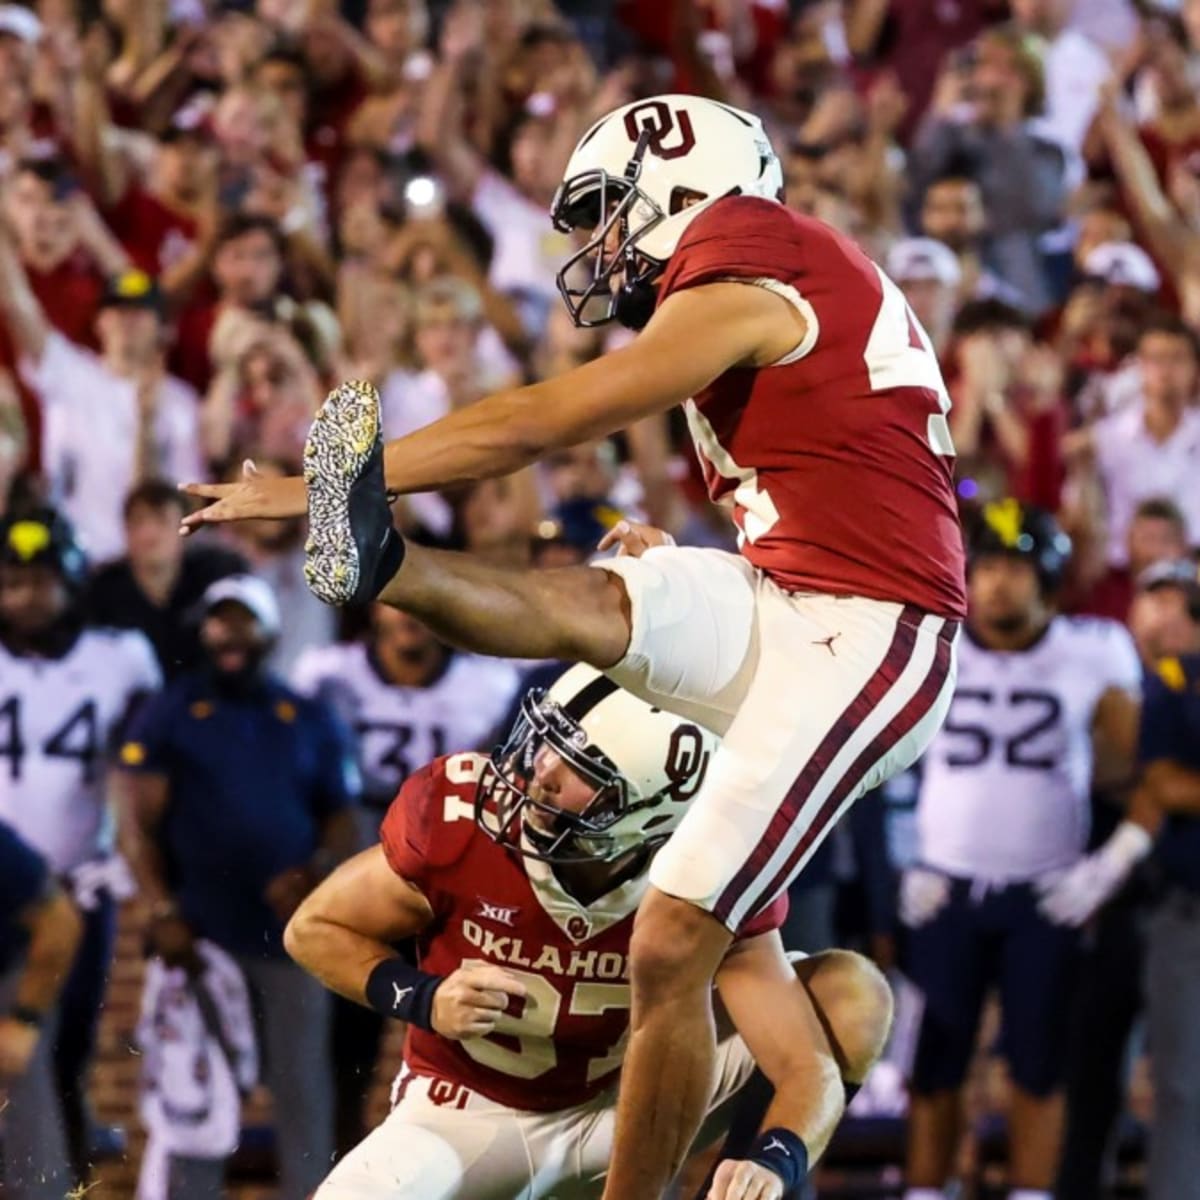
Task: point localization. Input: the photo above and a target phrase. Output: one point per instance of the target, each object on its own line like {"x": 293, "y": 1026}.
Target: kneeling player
{"x": 519, "y": 876}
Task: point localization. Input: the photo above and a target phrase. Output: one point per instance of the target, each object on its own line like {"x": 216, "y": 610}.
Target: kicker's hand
{"x": 469, "y": 1002}
{"x": 253, "y": 496}
{"x": 735, "y": 1180}
{"x": 633, "y": 539}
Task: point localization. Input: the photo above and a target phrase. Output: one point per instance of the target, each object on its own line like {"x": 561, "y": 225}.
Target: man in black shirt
{"x": 158, "y": 584}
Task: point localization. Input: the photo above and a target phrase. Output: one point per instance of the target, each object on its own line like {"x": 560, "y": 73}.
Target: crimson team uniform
{"x": 824, "y": 652}
{"x": 532, "y": 1105}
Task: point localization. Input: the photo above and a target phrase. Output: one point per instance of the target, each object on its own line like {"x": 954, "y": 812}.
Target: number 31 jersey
{"x": 564, "y": 1041}
{"x": 1005, "y": 790}
{"x": 399, "y": 728}
{"x": 836, "y": 461}
{"x": 59, "y": 719}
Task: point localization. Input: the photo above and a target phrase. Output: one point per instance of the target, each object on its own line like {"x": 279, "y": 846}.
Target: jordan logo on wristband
{"x": 400, "y": 994}
{"x": 775, "y": 1144}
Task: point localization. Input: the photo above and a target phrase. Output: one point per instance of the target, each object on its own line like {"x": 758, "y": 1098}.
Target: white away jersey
{"x": 400, "y": 729}
{"x": 1006, "y": 781}
{"x": 59, "y": 720}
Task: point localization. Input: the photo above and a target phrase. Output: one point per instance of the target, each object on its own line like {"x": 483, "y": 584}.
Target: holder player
{"x": 520, "y": 876}
{"x": 823, "y": 652}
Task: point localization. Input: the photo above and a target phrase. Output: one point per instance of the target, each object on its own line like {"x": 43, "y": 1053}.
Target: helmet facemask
{"x": 507, "y": 811}
{"x": 600, "y": 201}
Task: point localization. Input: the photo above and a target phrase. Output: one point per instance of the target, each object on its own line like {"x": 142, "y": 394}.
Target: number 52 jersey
{"x": 59, "y": 718}
{"x": 1005, "y": 790}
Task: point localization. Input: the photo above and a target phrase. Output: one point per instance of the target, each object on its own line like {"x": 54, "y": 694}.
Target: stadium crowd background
{"x": 211, "y": 211}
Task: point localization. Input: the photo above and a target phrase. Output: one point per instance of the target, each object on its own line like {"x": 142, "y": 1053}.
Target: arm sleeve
{"x": 24, "y": 875}
{"x": 1124, "y": 668}
{"x": 147, "y": 747}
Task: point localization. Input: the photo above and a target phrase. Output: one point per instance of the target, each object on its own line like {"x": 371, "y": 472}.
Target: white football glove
{"x": 110, "y": 874}
{"x": 1076, "y": 894}
{"x": 923, "y": 894}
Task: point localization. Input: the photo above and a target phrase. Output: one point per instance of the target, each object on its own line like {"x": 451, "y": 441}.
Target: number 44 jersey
{"x": 564, "y": 1041}
{"x": 59, "y": 719}
{"x": 836, "y": 461}
{"x": 1005, "y": 791}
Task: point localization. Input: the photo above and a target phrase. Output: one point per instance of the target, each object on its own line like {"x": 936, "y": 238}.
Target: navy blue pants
{"x": 79, "y": 1016}
{"x": 993, "y": 938}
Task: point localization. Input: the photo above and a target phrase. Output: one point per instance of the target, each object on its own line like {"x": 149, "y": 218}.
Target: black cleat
{"x": 352, "y": 549}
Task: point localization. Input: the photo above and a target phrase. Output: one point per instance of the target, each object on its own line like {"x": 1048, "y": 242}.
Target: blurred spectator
{"x": 538, "y": 140}
{"x": 263, "y": 396}
{"x": 409, "y": 699}
{"x": 68, "y": 692}
{"x": 275, "y": 553}
{"x": 1007, "y": 418}
{"x": 239, "y": 801}
{"x": 1165, "y": 615}
{"x": 1150, "y": 449}
{"x": 247, "y": 269}
{"x": 60, "y": 241}
{"x": 199, "y": 1054}
{"x": 1157, "y": 534}
{"x": 14, "y": 441}
{"x": 156, "y": 586}
{"x": 39, "y": 933}
{"x": 914, "y": 39}
{"x": 1076, "y": 68}
{"x": 982, "y": 114}
{"x": 1170, "y": 756}
{"x": 109, "y": 421}
{"x": 929, "y": 276}
{"x": 952, "y": 213}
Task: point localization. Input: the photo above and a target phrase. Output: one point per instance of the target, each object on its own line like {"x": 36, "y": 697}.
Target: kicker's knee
{"x": 854, "y": 1002}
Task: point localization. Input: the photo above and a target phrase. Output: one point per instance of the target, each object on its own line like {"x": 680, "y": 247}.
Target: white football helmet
{"x": 649, "y": 169}
{"x": 645, "y": 765}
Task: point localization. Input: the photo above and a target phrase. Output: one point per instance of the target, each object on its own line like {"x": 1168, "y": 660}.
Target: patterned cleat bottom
{"x": 350, "y": 538}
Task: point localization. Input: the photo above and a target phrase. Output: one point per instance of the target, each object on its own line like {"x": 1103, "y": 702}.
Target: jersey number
{"x": 78, "y": 737}
{"x": 533, "y": 1031}
{"x": 1043, "y": 709}
{"x": 394, "y": 758}
{"x": 898, "y": 354}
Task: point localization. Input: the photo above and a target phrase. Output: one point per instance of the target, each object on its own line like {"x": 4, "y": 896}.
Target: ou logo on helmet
{"x": 687, "y": 762}
{"x": 662, "y": 124}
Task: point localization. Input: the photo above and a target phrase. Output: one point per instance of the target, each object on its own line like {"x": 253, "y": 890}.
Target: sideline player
{"x": 1002, "y": 822}
{"x": 520, "y": 876}
{"x": 66, "y": 692}
{"x": 823, "y": 653}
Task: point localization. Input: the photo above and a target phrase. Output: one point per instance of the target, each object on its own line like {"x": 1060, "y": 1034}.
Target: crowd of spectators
{"x": 211, "y": 210}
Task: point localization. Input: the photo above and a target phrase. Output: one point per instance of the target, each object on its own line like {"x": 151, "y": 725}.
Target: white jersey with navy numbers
{"x": 59, "y": 720}
{"x": 400, "y": 729}
{"x": 1006, "y": 781}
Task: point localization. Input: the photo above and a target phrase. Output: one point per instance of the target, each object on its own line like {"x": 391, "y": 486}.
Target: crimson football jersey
{"x": 837, "y": 462}
{"x": 564, "y": 1042}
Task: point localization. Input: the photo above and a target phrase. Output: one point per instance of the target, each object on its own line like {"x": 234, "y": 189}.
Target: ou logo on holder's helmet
{"x": 636, "y": 180}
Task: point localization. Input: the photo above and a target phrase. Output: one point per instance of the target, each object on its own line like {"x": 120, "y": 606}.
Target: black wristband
{"x": 397, "y": 989}
{"x": 27, "y": 1015}
{"x": 781, "y": 1151}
